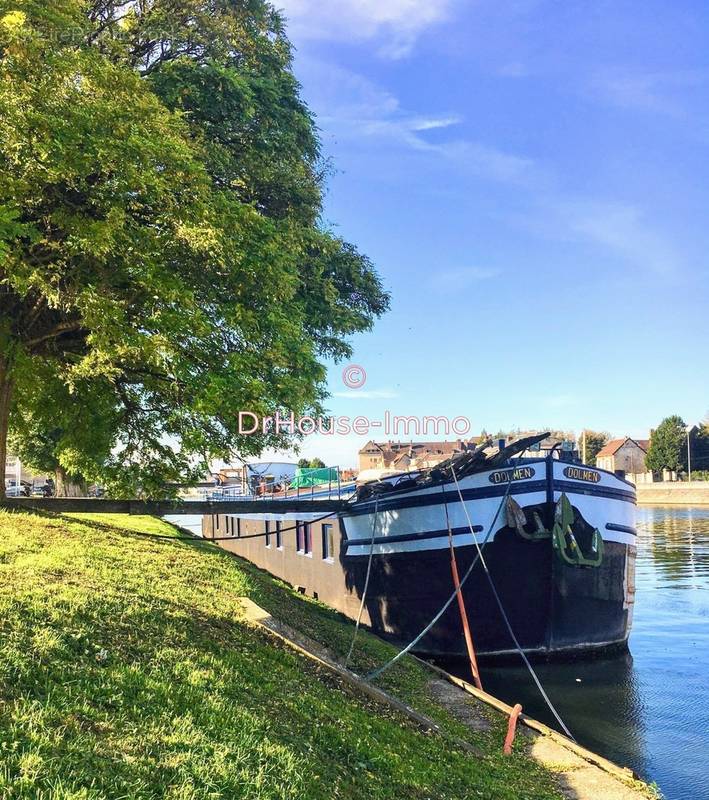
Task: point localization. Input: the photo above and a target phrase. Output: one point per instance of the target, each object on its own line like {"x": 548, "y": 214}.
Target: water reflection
{"x": 673, "y": 551}
{"x": 590, "y": 696}
{"x": 648, "y": 710}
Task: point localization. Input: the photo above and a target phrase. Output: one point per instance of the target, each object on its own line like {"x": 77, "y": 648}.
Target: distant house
{"x": 409, "y": 456}
{"x": 623, "y": 454}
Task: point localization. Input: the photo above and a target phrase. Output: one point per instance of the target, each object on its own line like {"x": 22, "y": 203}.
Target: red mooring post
{"x": 464, "y": 619}
{"x": 511, "y": 729}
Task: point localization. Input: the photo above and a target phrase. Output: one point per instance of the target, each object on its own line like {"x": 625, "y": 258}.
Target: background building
{"x": 626, "y": 454}
{"x": 410, "y": 456}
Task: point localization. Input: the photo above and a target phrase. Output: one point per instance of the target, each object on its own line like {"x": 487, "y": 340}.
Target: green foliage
{"x": 668, "y": 446}
{"x": 79, "y": 442}
{"x": 700, "y": 474}
{"x": 161, "y": 256}
{"x": 700, "y": 450}
{"x": 313, "y": 463}
{"x": 157, "y": 686}
{"x": 595, "y": 441}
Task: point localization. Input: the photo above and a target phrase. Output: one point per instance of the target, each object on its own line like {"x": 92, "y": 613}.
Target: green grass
{"x": 128, "y": 671}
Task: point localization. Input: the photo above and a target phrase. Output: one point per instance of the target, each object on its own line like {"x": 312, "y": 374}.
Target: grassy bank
{"x": 128, "y": 671}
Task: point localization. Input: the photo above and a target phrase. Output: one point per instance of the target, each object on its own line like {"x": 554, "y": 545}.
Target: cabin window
{"x": 238, "y": 527}
{"x": 328, "y": 543}
{"x": 267, "y": 537}
{"x": 217, "y": 518}
{"x": 307, "y": 538}
{"x": 299, "y": 537}
{"x": 279, "y": 536}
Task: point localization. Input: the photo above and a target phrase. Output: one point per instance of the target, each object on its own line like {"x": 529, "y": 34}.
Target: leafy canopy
{"x": 162, "y": 261}
{"x": 311, "y": 463}
{"x": 668, "y": 446}
{"x": 594, "y": 442}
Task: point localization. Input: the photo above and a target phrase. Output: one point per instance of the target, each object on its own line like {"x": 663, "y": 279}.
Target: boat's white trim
{"x": 414, "y": 518}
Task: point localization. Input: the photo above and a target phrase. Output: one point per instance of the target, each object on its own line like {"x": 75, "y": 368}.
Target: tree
{"x": 162, "y": 262}
{"x": 668, "y": 446}
{"x": 313, "y": 463}
{"x": 700, "y": 447}
{"x": 595, "y": 441}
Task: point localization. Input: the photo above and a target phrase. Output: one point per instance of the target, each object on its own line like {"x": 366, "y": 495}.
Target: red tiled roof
{"x": 612, "y": 447}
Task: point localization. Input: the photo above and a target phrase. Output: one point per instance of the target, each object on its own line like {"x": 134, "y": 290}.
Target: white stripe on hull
{"x": 596, "y": 510}
{"x": 422, "y": 519}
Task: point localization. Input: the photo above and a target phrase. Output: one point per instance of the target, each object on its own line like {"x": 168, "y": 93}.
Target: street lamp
{"x": 689, "y": 454}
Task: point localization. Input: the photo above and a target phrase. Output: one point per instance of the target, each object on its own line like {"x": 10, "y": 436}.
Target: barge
{"x": 558, "y": 539}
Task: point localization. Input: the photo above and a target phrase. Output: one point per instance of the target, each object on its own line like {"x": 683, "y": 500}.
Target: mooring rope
{"x": 504, "y": 615}
{"x": 377, "y": 672}
{"x": 366, "y": 582}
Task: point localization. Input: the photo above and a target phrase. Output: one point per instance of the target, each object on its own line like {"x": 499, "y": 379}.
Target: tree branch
{"x": 58, "y": 330}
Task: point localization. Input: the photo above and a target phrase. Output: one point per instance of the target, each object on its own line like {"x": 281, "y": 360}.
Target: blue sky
{"x": 531, "y": 180}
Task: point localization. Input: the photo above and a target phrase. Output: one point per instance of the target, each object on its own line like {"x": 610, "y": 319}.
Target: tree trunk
{"x": 5, "y": 399}
{"x": 65, "y": 487}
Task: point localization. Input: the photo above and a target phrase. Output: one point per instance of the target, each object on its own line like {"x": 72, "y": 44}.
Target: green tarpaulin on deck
{"x": 313, "y": 477}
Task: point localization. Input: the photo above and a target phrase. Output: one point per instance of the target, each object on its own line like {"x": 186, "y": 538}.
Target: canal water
{"x": 648, "y": 710}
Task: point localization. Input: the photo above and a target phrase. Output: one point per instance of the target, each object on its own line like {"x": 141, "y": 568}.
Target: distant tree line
{"x": 671, "y": 447}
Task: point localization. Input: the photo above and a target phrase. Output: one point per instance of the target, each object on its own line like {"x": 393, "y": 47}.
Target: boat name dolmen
{"x": 581, "y": 474}
{"x": 520, "y": 474}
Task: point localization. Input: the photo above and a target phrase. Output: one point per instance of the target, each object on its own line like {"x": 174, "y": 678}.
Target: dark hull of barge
{"x": 554, "y": 609}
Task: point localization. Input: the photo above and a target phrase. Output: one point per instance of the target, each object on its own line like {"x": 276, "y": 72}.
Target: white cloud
{"x": 623, "y": 229}
{"x": 658, "y": 92}
{"x": 489, "y": 162}
{"x": 354, "y": 110}
{"x": 351, "y": 108}
{"x": 431, "y": 124}
{"x": 394, "y": 24}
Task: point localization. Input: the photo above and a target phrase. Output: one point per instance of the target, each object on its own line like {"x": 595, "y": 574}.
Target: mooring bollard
{"x": 511, "y": 729}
